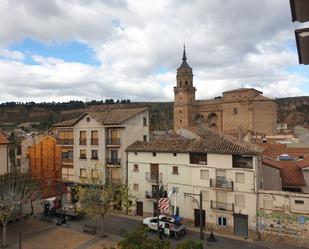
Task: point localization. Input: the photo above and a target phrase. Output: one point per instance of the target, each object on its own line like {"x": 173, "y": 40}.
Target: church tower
{"x": 184, "y": 95}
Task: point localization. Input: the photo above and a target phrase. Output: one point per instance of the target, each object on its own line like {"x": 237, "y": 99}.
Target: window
{"x": 154, "y": 154}
{"x": 222, "y": 221}
{"x": 88, "y": 119}
{"x": 82, "y": 138}
{"x": 180, "y": 111}
{"x": 301, "y": 202}
{"x": 198, "y": 158}
{"x": 205, "y": 195}
{"x": 135, "y": 169}
{"x": 82, "y": 154}
{"x": 175, "y": 154}
{"x": 145, "y": 138}
{"x": 242, "y": 161}
{"x": 240, "y": 177}
{"x": 235, "y": 110}
{"x": 135, "y": 187}
{"x": 94, "y": 138}
{"x": 94, "y": 154}
{"x": 94, "y": 173}
{"x": 267, "y": 204}
{"x": 175, "y": 170}
{"x": 135, "y": 153}
{"x": 144, "y": 121}
{"x": 180, "y": 121}
{"x": 83, "y": 173}
{"x": 204, "y": 174}
{"x": 239, "y": 200}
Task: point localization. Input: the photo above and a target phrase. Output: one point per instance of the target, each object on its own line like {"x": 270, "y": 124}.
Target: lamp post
{"x": 200, "y": 206}
{"x": 20, "y": 227}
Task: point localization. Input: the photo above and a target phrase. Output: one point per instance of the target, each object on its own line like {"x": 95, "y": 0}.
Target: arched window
{"x": 212, "y": 120}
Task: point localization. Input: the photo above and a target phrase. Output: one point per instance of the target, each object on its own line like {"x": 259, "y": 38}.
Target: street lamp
{"x": 200, "y": 206}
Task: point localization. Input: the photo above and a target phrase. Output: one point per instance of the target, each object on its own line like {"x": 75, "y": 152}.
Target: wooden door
{"x": 114, "y": 136}
{"x": 154, "y": 170}
{"x": 139, "y": 208}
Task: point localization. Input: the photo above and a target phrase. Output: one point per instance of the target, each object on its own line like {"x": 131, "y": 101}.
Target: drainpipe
{"x": 127, "y": 183}
{"x": 259, "y": 169}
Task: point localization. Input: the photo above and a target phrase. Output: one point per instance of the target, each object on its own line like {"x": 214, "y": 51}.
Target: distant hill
{"x": 293, "y": 111}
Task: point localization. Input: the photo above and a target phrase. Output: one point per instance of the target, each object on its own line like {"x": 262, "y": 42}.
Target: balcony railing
{"x": 94, "y": 141}
{"x": 113, "y": 181}
{"x": 113, "y": 161}
{"x": 222, "y": 183}
{"x": 63, "y": 141}
{"x": 155, "y": 194}
{"x": 153, "y": 177}
{"x": 67, "y": 160}
{"x": 113, "y": 141}
{"x": 82, "y": 141}
{"x": 222, "y": 206}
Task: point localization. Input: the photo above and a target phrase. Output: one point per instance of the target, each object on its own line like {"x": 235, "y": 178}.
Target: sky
{"x": 61, "y": 50}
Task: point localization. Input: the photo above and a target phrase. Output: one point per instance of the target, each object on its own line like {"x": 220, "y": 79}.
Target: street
{"x": 37, "y": 234}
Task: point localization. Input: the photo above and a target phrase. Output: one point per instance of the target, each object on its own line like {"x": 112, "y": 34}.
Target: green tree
{"x": 138, "y": 239}
{"x": 97, "y": 199}
{"x": 14, "y": 189}
{"x": 190, "y": 244}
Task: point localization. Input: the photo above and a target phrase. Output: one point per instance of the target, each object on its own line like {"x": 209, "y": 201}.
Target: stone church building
{"x": 239, "y": 110}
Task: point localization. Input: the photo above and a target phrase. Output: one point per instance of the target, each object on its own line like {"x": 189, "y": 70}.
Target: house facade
{"x": 4, "y": 154}
{"x": 93, "y": 145}
{"x": 225, "y": 172}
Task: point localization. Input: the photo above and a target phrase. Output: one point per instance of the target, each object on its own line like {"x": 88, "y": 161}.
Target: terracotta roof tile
{"x": 290, "y": 172}
{"x": 211, "y": 141}
{"x": 275, "y": 150}
{"x": 3, "y": 139}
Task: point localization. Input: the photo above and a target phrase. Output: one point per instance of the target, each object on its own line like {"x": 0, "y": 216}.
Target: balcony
{"x": 67, "y": 160}
{"x": 222, "y": 183}
{"x": 65, "y": 141}
{"x": 222, "y": 206}
{"x": 94, "y": 141}
{"x": 82, "y": 141}
{"x": 152, "y": 177}
{"x": 113, "y": 141}
{"x": 113, "y": 181}
{"x": 113, "y": 162}
{"x": 155, "y": 194}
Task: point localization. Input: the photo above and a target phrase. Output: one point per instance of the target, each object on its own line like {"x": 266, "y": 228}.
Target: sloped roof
{"x": 3, "y": 139}
{"x": 275, "y": 150}
{"x": 211, "y": 142}
{"x": 290, "y": 172}
{"x": 109, "y": 117}
{"x": 243, "y": 89}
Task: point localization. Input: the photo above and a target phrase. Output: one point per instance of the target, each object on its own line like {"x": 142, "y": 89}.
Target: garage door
{"x": 241, "y": 225}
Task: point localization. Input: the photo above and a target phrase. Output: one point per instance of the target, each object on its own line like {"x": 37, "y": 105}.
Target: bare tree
{"x": 14, "y": 189}
{"x": 98, "y": 199}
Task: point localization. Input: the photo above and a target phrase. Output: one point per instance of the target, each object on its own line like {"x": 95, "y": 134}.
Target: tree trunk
{"x": 103, "y": 235}
{"x": 4, "y": 244}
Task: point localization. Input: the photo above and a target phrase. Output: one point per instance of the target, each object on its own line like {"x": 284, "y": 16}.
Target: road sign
{"x": 164, "y": 205}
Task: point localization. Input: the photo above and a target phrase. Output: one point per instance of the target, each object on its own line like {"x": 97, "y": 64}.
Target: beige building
{"x": 240, "y": 110}
{"x": 223, "y": 169}
{"x": 4, "y": 155}
{"x": 94, "y": 144}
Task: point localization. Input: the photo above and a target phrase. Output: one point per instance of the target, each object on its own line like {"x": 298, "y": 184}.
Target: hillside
{"x": 293, "y": 111}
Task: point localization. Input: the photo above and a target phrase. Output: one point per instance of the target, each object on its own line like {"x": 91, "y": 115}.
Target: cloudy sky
{"x": 59, "y": 50}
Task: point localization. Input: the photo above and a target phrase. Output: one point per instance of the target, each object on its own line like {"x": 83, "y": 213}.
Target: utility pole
{"x": 200, "y": 207}
{"x": 158, "y": 210}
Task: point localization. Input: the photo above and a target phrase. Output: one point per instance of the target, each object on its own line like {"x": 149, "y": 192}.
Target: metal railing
{"x": 155, "y": 194}
{"x": 113, "y": 141}
{"x": 153, "y": 177}
{"x": 65, "y": 141}
{"x": 113, "y": 161}
{"x": 222, "y": 206}
{"x": 82, "y": 141}
{"x": 94, "y": 141}
{"x": 67, "y": 160}
{"x": 223, "y": 183}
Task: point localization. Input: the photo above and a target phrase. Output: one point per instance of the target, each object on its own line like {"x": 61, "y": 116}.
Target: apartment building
{"x": 223, "y": 169}
{"x": 94, "y": 144}
{"x": 4, "y": 154}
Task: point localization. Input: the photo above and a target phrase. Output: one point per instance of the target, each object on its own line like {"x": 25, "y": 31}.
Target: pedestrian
{"x": 161, "y": 232}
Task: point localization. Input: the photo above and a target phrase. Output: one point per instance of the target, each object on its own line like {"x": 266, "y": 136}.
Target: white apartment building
{"x": 223, "y": 169}
{"x": 94, "y": 144}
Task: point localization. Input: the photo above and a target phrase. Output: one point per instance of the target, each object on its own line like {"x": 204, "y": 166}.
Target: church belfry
{"x": 184, "y": 95}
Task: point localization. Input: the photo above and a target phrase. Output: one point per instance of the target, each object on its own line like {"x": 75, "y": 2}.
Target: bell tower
{"x": 184, "y": 95}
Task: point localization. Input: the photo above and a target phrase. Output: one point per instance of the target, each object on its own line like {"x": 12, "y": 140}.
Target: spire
{"x": 184, "y": 59}
{"x": 184, "y": 56}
